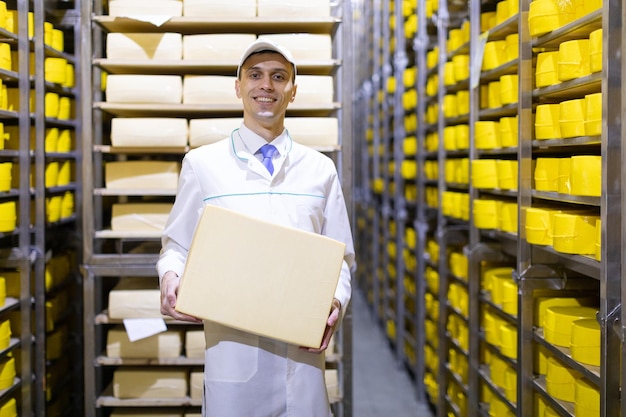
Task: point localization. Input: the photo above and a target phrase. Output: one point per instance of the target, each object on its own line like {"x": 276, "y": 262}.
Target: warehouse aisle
{"x": 381, "y": 385}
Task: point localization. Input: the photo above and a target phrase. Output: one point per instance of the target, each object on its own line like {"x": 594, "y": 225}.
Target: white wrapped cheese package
{"x": 135, "y": 298}
{"x": 168, "y": 344}
{"x": 196, "y": 385}
{"x": 219, "y": 8}
{"x": 144, "y": 411}
{"x": 141, "y": 174}
{"x": 139, "y": 217}
{"x": 144, "y": 46}
{"x": 216, "y": 46}
{"x": 314, "y": 89}
{"x": 142, "y": 8}
{"x": 149, "y": 383}
{"x": 195, "y": 344}
{"x": 293, "y": 8}
{"x": 144, "y": 89}
{"x": 210, "y": 89}
{"x": 162, "y": 132}
{"x": 205, "y": 131}
{"x": 313, "y": 131}
{"x": 305, "y": 46}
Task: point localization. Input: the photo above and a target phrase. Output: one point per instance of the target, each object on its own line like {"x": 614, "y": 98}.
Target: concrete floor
{"x": 382, "y": 386}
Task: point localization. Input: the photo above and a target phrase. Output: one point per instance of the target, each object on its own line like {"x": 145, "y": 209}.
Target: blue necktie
{"x": 268, "y": 151}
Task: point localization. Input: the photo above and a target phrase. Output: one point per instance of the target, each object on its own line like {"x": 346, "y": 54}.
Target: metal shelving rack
{"x": 101, "y": 264}
{"x": 537, "y": 268}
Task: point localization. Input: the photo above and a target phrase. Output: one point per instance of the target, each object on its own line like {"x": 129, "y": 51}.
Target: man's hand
{"x": 331, "y": 324}
{"x": 169, "y": 291}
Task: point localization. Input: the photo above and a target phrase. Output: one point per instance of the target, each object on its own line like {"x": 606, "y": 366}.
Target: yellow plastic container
{"x": 508, "y": 217}
{"x": 508, "y": 340}
{"x": 547, "y": 174}
{"x": 565, "y": 168}
{"x": 54, "y": 70}
{"x": 8, "y": 216}
{"x": 539, "y": 226}
{"x": 595, "y": 51}
{"x": 5, "y": 176}
{"x": 450, "y": 107}
{"x": 543, "y": 303}
{"x": 512, "y": 46}
{"x": 593, "y": 114}
{"x": 509, "y": 297}
{"x": 546, "y": 72}
{"x": 491, "y": 326}
{"x": 485, "y": 214}
{"x": 463, "y": 102}
{"x": 484, "y": 173}
{"x": 507, "y": 174}
{"x": 557, "y": 323}
{"x": 574, "y": 59}
{"x": 7, "y": 372}
{"x": 509, "y": 132}
{"x": 494, "y": 55}
{"x": 572, "y": 118}
{"x": 574, "y": 233}
{"x": 585, "y": 341}
{"x": 561, "y": 380}
{"x": 544, "y": 16}
{"x": 487, "y": 135}
{"x": 586, "y": 399}
{"x": 9, "y": 408}
{"x": 509, "y": 89}
{"x": 547, "y": 124}
{"x": 586, "y": 175}
{"x": 598, "y": 254}
{"x": 461, "y": 64}
{"x": 494, "y": 100}
{"x": 462, "y": 136}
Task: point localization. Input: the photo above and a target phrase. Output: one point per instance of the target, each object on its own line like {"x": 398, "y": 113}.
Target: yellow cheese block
{"x": 135, "y": 46}
{"x": 135, "y": 298}
{"x": 293, "y": 8}
{"x": 139, "y": 8}
{"x": 146, "y": 89}
{"x": 149, "y": 131}
{"x": 313, "y": 131}
{"x": 210, "y": 89}
{"x": 314, "y": 89}
{"x": 149, "y": 383}
{"x": 297, "y": 313}
{"x": 205, "y": 131}
{"x": 152, "y": 412}
{"x": 216, "y": 46}
{"x": 141, "y": 174}
{"x": 196, "y": 385}
{"x": 219, "y": 8}
{"x": 140, "y": 217}
{"x": 195, "y": 344}
{"x": 305, "y": 46}
{"x": 163, "y": 345}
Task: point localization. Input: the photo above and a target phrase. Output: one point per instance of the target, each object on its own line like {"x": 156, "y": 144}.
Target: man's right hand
{"x": 169, "y": 291}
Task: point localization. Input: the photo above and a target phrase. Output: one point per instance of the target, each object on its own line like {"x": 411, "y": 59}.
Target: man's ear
{"x": 237, "y": 88}
{"x": 293, "y": 93}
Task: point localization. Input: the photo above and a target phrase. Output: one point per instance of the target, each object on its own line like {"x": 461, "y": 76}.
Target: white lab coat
{"x": 246, "y": 375}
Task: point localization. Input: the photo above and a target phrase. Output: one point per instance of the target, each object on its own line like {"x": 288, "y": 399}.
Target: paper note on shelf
{"x": 284, "y": 289}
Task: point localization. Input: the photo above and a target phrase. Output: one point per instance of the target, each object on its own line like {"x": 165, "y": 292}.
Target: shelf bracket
{"x": 613, "y": 321}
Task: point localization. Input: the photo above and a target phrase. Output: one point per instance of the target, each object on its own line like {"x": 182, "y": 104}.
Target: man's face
{"x": 266, "y": 87}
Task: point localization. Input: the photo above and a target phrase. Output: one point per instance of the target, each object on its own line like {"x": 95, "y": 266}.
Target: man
{"x": 247, "y": 375}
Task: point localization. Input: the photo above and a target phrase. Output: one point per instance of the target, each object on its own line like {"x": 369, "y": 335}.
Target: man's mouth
{"x": 265, "y": 99}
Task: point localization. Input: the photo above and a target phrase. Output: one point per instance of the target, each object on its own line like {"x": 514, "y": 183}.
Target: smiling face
{"x": 266, "y": 88}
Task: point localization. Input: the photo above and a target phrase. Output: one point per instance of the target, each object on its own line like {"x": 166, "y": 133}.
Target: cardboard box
{"x": 149, "y": 383}
{"x": 135, "y": 298}
{"x": 285, "y": 288}
{"x": 163, "y": 345}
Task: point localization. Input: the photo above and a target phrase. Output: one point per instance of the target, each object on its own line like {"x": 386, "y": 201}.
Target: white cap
{"x": 263, "y": 44}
